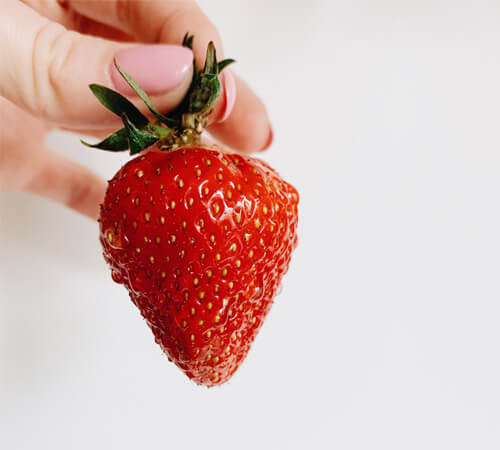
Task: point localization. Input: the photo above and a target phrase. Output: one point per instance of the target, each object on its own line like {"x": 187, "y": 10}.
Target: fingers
{"x": 26, "y": 165}
{"x": 247, "y": 126}
{"x": 49, "y": 72}
{"x": 68, "y": 183}
{"x": 154, "y": 21}
{"x": 245, "y": 129}
{"x": 46, "y": 69}
{"x": 53, "y": 10}
{"x": 62, "y": 13}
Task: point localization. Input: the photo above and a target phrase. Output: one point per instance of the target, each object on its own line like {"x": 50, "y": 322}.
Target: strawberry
{"x": 200, "y": 237}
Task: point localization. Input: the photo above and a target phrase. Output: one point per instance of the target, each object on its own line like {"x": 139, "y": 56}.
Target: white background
{"x": 386, "y": 334}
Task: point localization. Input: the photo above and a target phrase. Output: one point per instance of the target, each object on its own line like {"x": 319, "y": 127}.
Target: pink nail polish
{"x": 229, "y": 92}
{"x": 156, "y": 68}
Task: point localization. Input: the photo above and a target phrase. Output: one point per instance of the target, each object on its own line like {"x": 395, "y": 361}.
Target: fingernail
{"x": 158, "y": 69}
{"x": 270, "y": 139}
{"x": 229, "y": 92}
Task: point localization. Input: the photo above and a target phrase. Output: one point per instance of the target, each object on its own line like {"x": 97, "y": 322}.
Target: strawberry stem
{"x": 182, "y": 126}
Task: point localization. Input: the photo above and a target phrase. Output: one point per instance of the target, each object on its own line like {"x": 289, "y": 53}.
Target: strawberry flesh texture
{"x": 201, "y": 239}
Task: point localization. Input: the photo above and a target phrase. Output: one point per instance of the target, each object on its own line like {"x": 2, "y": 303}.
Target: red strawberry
{"x": 201, "y": 239}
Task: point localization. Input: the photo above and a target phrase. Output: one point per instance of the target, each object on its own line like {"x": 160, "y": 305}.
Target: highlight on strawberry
{"x": 200, "y": 237}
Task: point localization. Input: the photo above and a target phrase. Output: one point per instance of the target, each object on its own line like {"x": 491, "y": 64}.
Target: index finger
{"x": 167, "y": 21}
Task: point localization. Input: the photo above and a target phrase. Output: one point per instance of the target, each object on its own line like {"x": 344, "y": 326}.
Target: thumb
{"x": 46, "y": 70}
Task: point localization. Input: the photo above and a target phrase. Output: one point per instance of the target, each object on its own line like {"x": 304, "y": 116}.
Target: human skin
{"x": 50, "y": 51}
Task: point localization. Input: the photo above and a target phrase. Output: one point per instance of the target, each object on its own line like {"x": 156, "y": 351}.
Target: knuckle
{"x": 52, "y": 47}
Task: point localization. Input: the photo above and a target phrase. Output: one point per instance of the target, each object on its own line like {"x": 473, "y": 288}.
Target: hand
{"x": 50, "y": 51}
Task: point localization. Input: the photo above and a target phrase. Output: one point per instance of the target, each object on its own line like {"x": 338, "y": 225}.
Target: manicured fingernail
{"x": 229, "y": 92}
{"x": 270, "y": 139}
{"x": 158, "y": 69}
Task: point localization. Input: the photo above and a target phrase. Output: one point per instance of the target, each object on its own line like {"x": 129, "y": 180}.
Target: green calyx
{"x": 182, "y": 126}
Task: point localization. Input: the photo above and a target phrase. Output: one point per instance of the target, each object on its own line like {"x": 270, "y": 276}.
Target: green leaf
{"x": 206, "y": 86}
{"x": 188, "y": 41}
{"x": 117, "y": 142}
{"x": 157, "y": 130}
{"x": 205, "y": 94}
{"x": 210, "y": 60}
{"x": 222, "y": 64}
{"x": 138, "y": 139}
{"x": 143, "y": 96}
{"x": 138, "y": 134}
{"x": 118, "y": 104}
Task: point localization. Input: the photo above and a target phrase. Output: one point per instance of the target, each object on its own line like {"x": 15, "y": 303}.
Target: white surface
{"x": 386, "y": 334}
